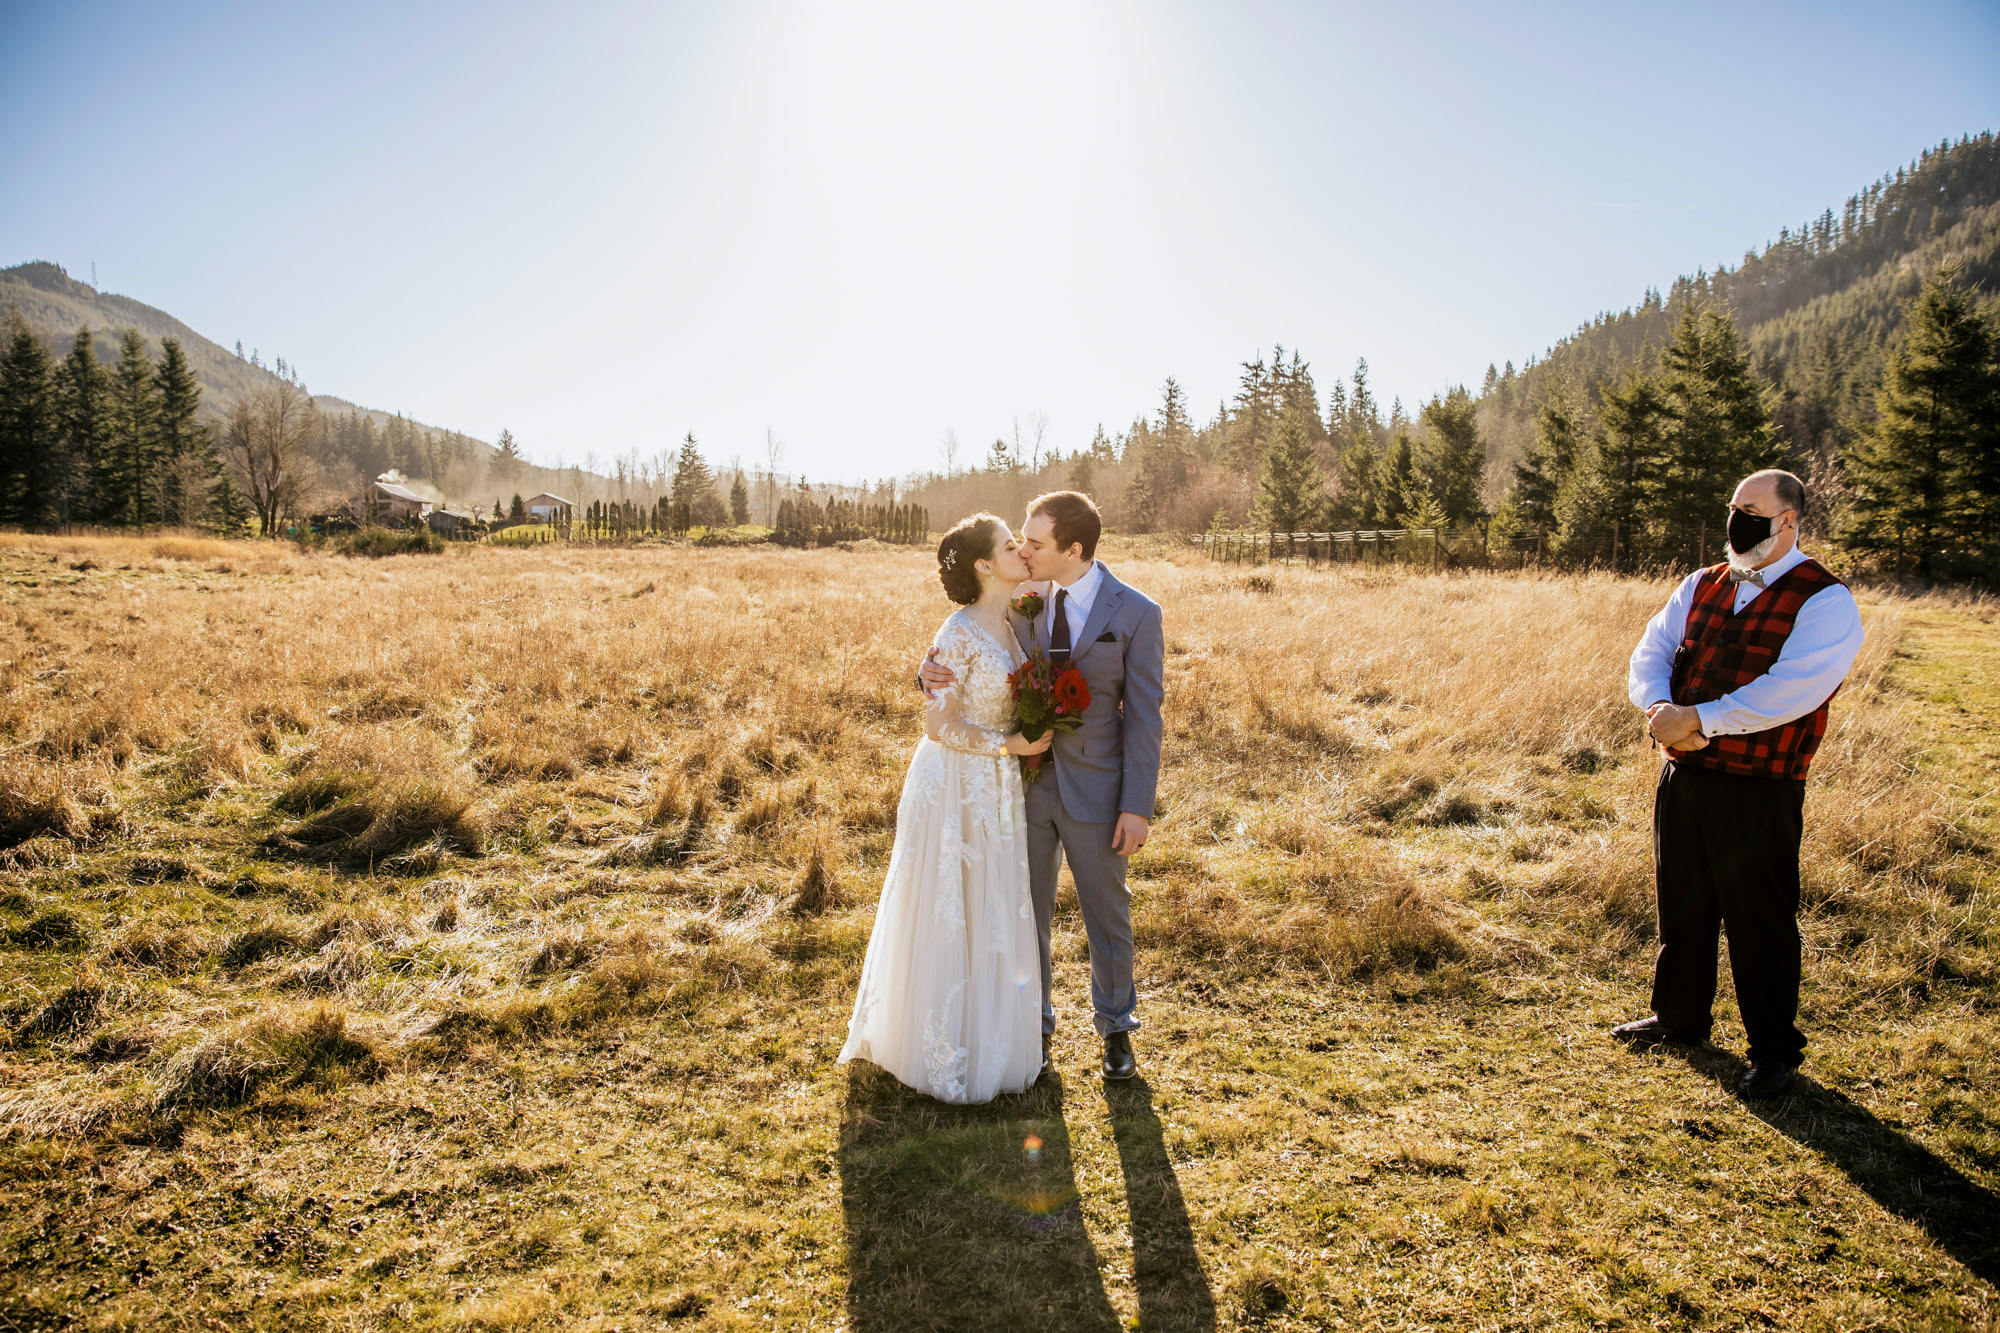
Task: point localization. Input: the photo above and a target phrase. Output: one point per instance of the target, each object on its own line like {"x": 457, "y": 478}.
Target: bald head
{"x": 1783, "y": 490}
{"x": 1779, "y": 496}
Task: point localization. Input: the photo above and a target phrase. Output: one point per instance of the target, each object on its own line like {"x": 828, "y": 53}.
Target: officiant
{"x": 1736, "y": 675}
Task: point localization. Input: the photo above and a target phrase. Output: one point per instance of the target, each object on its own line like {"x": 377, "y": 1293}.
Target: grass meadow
{"x": 464, "y": 941}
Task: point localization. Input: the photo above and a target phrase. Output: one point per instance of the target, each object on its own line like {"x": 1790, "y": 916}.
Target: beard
{"x": 1755, "y": 556}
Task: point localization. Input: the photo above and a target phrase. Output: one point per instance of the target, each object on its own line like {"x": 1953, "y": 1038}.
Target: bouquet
{"x": 1046, "y": 698}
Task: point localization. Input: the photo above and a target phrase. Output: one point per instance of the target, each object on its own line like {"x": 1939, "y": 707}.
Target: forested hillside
{"x": 1820, "y": 308}
{"x": 1624, "y": 437}
{"x": 348, "y": 445}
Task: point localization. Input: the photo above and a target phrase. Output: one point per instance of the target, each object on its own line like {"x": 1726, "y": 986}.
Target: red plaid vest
{"x": 1722, "y": 651}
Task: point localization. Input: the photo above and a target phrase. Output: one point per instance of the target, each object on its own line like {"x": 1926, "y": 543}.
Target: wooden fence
{"x": 1433, "y": 548}
{"x": 1611, "y": 546}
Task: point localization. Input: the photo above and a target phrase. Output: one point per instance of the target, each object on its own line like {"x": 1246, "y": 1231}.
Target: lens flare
{"x": 1032, "y": 1146}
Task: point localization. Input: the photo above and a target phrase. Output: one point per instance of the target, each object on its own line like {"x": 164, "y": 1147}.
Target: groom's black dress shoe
{"x": 1652, "y": 1032}
{"x": 1118, "y": 1062}
{"x": 1767, "y": 1078}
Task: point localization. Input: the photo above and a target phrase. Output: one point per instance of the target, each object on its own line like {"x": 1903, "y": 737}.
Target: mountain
{"x": 1820, "y": 309}
{"x": 356, "y": 441}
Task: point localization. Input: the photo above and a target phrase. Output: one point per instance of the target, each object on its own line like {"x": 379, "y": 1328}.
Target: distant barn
{"x": 453, "y": 523}
{"x": 546, "y": 508}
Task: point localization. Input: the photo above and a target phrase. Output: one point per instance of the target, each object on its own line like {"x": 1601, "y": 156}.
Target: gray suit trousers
{"x": 1101, "y": 895}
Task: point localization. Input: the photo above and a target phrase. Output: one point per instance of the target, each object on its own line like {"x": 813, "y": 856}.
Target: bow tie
{"x": 1755, "y": 576}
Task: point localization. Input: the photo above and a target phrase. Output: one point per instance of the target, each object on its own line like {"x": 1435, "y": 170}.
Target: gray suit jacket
{"x": 1111, "y": 765}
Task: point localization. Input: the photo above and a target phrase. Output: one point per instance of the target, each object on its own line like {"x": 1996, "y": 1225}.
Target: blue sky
{"x": 863, "y": 225}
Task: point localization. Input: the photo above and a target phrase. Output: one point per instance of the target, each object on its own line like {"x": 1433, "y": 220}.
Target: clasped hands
{"x": 1675, "y": 726}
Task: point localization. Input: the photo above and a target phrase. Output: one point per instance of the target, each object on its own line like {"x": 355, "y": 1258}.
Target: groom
{"x": 1095, "y": 807}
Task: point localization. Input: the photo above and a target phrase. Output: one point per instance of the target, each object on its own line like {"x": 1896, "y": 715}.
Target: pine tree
{"x": 517, "y": 512}
{"x": 183, "y": 445}
{"x": 1547, "y": 461}
{"x": 1358, "y": 503}
{"x": 83, "y": 399}
{"x": 1082, "y": 474}
{"x": 27, "y": 426}
{"x": 1715, "y": 427}
{"x": 1926, "y": 478}
{"x": 1398, "y": 483}
{"x": 1363, "y": 416}
{"x": 131, "y": 479}
{"x": 739, "y": 500}
{"x": 1164, "y": 464}
{"x": 229, "y": 515}
{"x": 1290, "y": 491}
{"x": 1453, "y": 460}
{"x": 695, "y": 502}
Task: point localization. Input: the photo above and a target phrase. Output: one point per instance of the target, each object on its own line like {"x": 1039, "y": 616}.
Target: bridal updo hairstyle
{"x": 970, "y": 541}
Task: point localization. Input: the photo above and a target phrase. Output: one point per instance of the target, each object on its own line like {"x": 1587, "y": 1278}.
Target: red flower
{"x": 1072, "y": 695}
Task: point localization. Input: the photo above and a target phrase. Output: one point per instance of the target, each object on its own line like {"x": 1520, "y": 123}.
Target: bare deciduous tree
{"x": 774, "y": 456}
{"x": 266, "y": 446}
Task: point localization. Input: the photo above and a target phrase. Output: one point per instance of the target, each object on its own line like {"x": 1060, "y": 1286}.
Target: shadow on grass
{"x": 962, "y": 1217}
{"x": 1899, "y": 1173}
{"x": 1173, "y": 1289}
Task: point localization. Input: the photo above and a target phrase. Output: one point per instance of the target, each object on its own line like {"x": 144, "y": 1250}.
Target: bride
{"x": 950, "y": 999}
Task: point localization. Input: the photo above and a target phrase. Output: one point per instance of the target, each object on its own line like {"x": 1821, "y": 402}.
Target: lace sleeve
{"x": 943, "y": 722}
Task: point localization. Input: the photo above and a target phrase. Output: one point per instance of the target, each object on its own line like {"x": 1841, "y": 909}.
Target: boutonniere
{"x": 1028, "y": 605}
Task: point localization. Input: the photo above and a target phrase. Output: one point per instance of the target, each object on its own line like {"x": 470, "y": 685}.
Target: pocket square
{"x": 1107, "y": 637}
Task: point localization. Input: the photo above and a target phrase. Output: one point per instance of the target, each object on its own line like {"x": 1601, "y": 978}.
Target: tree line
{"x": 82, "y": 442}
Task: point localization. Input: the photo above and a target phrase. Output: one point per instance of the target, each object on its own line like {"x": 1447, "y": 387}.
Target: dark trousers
{"x": 1726, "y": 855}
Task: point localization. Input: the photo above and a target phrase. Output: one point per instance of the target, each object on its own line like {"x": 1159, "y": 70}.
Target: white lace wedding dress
{"x": 951, "y": 992}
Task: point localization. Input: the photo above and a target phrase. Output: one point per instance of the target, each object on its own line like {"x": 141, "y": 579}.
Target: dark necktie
{"x": 1059, "y": 630}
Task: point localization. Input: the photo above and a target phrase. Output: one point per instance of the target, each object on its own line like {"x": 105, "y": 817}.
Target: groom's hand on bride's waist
{"x": 934, "y": 675}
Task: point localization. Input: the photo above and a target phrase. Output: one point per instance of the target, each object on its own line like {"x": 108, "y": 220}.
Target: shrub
{"x": 377, "y": 542}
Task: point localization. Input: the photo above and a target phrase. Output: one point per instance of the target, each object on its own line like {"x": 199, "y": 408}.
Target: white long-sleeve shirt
{"x": 1818, "y": 654}
{"x": 1082, "y": 596}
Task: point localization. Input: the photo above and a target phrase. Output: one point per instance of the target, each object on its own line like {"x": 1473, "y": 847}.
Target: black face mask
{"x": 1746, "y": 530}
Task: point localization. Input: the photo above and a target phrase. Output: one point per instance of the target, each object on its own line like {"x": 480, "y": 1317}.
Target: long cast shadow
{"x": 1895, "y": 1170}
{"x": 1173, "y": 1290}
{"x": 962, "y": 1217}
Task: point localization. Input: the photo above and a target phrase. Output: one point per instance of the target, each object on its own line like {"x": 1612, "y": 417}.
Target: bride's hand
{"x": 1021, "y": 745}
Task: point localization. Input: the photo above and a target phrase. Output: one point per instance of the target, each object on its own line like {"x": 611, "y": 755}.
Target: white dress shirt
{"x": 1076, "y": 606}
{"x": 1817, "y": 656}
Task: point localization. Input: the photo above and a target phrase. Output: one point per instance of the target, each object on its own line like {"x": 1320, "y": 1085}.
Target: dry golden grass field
{"x": 465, "y": 941}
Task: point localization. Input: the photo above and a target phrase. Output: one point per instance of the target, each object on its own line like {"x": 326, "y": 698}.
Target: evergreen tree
{"x": 1359, "y": 501}
{"x": 83, "y": 398}
{"x": 229, "y": 514}
{"x": 739, "y": 500}
{"x": 1165, "y": 462}
{"x": 1363, "y": 415}
{"x": 182, "y": 444}
{"x": 695, "y": 502}
{"x": 507, "y": 462}
{"x": 1715, "y": 429}
{"x": 1398, "y": 483}
{"x": 27, "y": 426}
{"x": 1289, "y": 492}
{"x": 1547, "y": 461}
{"x": 1082, "y": 474}
{"x": 517, "y": 512}
{"x": 1926, "y": 478}
{"x": 1453, "y": 461}
{"x": 131, "y": 477}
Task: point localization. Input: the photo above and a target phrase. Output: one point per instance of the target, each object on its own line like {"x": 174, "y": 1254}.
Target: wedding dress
{"x": 950, "y": 999}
